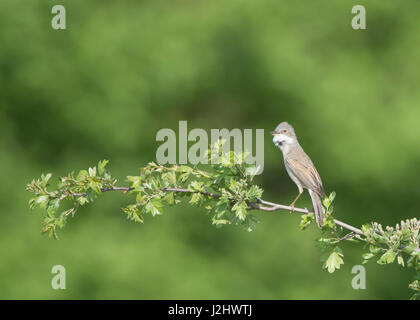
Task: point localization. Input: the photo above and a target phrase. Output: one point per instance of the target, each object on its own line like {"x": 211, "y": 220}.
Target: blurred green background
{"x": 125, "y": 69}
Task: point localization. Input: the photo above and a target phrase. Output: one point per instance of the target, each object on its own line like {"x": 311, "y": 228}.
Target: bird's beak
{"x": 273, "y": 133}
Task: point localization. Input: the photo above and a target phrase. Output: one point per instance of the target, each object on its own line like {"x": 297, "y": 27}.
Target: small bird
{"x": 300, "y": 168}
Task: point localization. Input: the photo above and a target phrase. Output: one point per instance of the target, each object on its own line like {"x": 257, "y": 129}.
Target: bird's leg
{"x": 294, "y": 201}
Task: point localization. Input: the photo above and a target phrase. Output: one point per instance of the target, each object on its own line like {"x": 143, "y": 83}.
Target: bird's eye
{"x": 284, "y": 131}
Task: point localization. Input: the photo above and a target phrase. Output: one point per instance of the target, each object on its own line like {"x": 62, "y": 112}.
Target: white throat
{"x": 283, "y": 142}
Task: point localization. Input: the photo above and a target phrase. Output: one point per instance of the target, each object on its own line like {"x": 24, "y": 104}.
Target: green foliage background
{"x": 124, "y": 69}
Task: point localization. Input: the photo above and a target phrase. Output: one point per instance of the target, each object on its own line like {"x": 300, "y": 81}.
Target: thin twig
{"x": 347, "y": 236}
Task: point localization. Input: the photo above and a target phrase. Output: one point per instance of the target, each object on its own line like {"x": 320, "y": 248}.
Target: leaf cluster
{"x": 80, "y": 189}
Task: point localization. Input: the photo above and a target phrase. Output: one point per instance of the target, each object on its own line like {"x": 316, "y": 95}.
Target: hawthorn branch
{"x": 259, "y": 205}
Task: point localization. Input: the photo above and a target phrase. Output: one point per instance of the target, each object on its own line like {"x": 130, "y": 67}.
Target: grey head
{"x": 284, "y": 136}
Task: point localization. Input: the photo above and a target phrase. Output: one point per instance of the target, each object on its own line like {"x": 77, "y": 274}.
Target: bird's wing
{"x": 305, "y": 171}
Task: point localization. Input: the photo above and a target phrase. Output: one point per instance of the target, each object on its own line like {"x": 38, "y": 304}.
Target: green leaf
{"x": 387, "y": 257}
{"x": 324, "y": 243}
{"x": 219, "y": 222}
{"x": 366, "y": 228}
{"x": 185, "y": 169}
{"x": 240, "y": 209}
{"x": 368, "y": 256}
{"x": 42, "y": 201}
{"x": 154, "y": 207}
{"x": 92, "y": 172}
{"x": 252, "y": 223}
{"x": 196, "y": 186}
{"x": 133, "y": 213}
{"x": 101, "y": 166}
{"x": 410, "y": 248}
{"x": 221, "y": 207}
{"x": 415, "y": 285}
{"x": 195, "y": 198}
{"x": 254, "y": 192}
{"x": 415, "y": 296}
{"x": 374, "y": 249}
{"x": 170, "y": 198}
{"x": 170, "y": 177}
{"x": 306, "y": 220}
{"x": 333, "y": 262}
{"x": 82, "y": 175}
{"x": 91, "y": 194}
{"x": 53, "y": 206}
{"x": 61, "y": 222}
{"x": 45, "y": 179}
{"x": 82, "y": 200}
{"x": 134, "y": 181}
{"x": 400, "y": 260}
{"x": 139, "y": 197}
{"x": 95, "y": 186}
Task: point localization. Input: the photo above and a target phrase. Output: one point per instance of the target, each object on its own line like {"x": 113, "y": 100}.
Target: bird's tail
{"x": 318, "y": 209}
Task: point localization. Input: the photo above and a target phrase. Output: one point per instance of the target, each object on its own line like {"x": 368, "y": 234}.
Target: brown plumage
{"x": 300, "y": 168}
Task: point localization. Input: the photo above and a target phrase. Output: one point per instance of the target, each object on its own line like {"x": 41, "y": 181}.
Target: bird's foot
{"x": 292, "y": 208}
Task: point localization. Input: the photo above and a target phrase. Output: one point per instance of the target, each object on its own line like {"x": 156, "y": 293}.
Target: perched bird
{"x": 300, "y": 168}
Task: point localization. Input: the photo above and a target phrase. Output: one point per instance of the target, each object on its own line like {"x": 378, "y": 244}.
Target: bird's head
{"x": 284, "y": 135}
